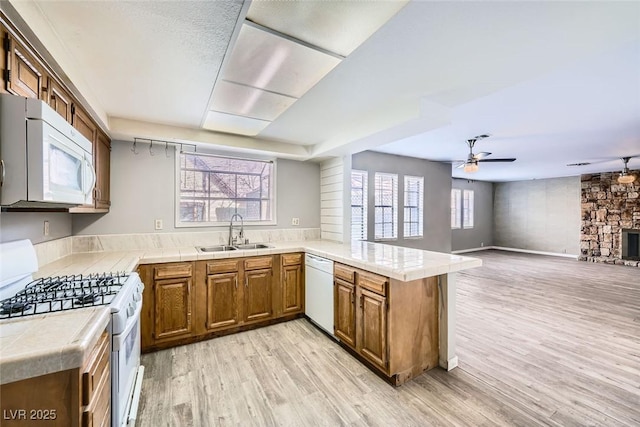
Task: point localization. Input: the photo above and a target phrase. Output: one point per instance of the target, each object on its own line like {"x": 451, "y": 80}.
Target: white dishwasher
{"x": 318, "y": 300}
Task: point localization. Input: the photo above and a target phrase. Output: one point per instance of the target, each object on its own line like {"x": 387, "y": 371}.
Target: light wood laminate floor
{"x": 541, "y": 341}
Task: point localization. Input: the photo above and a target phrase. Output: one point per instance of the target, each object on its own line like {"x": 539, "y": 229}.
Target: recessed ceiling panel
{"x": 337, "y": 26}
{"x": 267, "y": 61}
{"x": 247, "y": 101}
{"x": 229, "y": 123}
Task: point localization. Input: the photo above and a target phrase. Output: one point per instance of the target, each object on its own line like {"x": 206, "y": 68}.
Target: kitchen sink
{"x": 218, "y": 248}
{"x": 253, "y": 246}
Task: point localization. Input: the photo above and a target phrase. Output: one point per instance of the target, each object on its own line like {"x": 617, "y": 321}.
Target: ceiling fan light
{"x": 471, "y": 167}
{"x": 626, "y": 178}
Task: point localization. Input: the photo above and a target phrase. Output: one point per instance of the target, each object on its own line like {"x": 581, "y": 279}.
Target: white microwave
{"x": 44, "y": 161}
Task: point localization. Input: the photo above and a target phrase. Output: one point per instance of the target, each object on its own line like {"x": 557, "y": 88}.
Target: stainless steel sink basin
{"x": 218, "y": 248}
{"x": 253, "y": 246}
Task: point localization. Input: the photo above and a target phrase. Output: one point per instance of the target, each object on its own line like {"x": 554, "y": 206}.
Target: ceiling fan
{"x": 625, "y": 176}
{"x": 471, "y": 164}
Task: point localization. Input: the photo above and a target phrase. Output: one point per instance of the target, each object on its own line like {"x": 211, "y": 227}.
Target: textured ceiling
{"x": 553, "y": 82}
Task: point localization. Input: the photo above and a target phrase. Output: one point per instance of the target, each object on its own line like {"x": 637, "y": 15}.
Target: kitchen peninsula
{"x": 412, "y": 290}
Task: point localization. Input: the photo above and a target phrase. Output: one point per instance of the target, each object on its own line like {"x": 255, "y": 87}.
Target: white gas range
{"x": 21, "y": 296}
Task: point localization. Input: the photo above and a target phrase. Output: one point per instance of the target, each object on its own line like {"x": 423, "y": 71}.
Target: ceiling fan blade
{"x": 461, "y": 165}
{"x": 512, "y": 159}
{"x": 481, "y": 155}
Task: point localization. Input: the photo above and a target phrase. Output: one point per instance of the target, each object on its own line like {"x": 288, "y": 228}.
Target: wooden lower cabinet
{"x": 373, "y": 327}
{"x": 75, "y": 397}
{"x": 222, "y": 300}
{"x": 390, "y": 324}
{"x": 172, "y": 308}
{"x": 258, "y": 304}
{"x": 190, "y": 301}
{"x": 167, "y": 303}
{"x": 344, "y": 313}
{"x": 292, "y": 283}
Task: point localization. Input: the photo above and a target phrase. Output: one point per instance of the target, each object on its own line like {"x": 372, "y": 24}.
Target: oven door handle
{"x": 117, "y": 341}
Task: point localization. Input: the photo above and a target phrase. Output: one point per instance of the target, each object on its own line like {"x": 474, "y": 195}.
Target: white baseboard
{"x": 449, "y": 364}
{"x": 464, "y": 251}
{"x": 526, "y": 251}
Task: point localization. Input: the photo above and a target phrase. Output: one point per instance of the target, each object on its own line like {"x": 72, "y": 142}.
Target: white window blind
{"x": 210, "y": 189}
{"x": 467, "y": 209}
{"x": 456, "y": 208}
{"x": 386, "y": 206}
{"x": 358, "y": 205}
{"x": 413, "y": 201}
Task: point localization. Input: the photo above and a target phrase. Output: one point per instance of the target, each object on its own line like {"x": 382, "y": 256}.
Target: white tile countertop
{"x": 404, "y": 264}
{"x": 47, "y": 343}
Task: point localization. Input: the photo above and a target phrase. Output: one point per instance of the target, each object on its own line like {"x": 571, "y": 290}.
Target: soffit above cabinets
{"x": 283, "y": 49}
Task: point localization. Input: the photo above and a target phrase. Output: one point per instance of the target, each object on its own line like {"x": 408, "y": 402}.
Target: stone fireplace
{"x": 610, "y": 219}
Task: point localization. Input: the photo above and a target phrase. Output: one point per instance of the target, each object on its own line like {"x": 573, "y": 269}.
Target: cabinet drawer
{"x": 258, "y": 262}
{"x": 222, "y": 266}
{"x": 348, "y": 274}
{"x": 97, "y": 368}
{"x": 98, "y": 412}
{"x": 170, "y": 271}
{"x": 373, "y": 282}
{"x": 291, "y": 259}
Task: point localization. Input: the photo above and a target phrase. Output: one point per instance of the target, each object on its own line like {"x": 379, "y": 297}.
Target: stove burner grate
{"x": 63, "y": 293}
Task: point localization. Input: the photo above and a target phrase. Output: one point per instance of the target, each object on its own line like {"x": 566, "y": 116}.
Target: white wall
{"x": 142, "y": 190}
{"x": 539, "y": 215}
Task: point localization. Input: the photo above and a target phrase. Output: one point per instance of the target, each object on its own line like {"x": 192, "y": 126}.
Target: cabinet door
{"x": 257, "y": 294}
{"x": 222, "y": 303}
{"x": 344, "y": 320}
{"x": 102, "y": 163}
{"x": 23, "y": 74}
{"x": 59, "y": 99}
{"x": 373, "y": 324}
{"x": 83, "y": 123}
{"x": 292, "y": 289}
{"x": 172, "y": 308}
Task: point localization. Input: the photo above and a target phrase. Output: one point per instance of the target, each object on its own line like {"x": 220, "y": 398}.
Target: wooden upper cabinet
{"x": 344, "y": 319}
{"x": 172, "y": 308}
{"x": 258, "y": 304}
{"x": 83, "y": 123}
{"x": 59, "y": 99}
{"x": 102, "y": 165}
{"x": 23, "y": 74}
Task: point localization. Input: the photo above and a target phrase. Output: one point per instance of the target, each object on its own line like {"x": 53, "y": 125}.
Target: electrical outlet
{"x": 482, "y": 244}
{"x": 295, "y": 221}
{"x": 158, "y": 224}
{"x": 46, "y": 228}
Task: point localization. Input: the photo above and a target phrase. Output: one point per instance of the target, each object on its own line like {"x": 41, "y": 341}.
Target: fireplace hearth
{"x": 631, "y": 245}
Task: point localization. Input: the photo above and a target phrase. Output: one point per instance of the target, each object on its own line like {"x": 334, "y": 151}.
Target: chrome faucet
{"x": 233, "y": 240}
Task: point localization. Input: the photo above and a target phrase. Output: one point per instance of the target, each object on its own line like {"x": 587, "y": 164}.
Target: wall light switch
{"x": 46, "y": 228}
{"x": 295, "y": 221}
{"x": 158, "y": 224}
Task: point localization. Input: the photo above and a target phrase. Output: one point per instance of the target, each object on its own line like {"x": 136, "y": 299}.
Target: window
{"x": 358, "y": 205}
{"x": 456, "y": 208}
{"x": 386, "y": 206}
{"x": 212, "y": 188}
{"x": 413, "y": 195}
{"x": 467, "y": 209}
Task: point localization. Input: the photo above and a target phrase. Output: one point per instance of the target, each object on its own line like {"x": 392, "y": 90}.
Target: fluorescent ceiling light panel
{"x": 230, "y": 123}
{"x": 267, "y": 61}
{"x": 337, "y": 26}
{"x": 248, "y": 101}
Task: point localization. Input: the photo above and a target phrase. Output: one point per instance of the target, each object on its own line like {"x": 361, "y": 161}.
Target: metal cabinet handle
{"x": 246, "y": 282}
{"x": 361, "y": 300}
{"x": 2, "y": 173}
{"x": 236, "y": 280}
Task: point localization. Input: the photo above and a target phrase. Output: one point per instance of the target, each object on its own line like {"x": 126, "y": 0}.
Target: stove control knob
{"x": 136, "y": 297}
{"x": 130, "y": 310}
